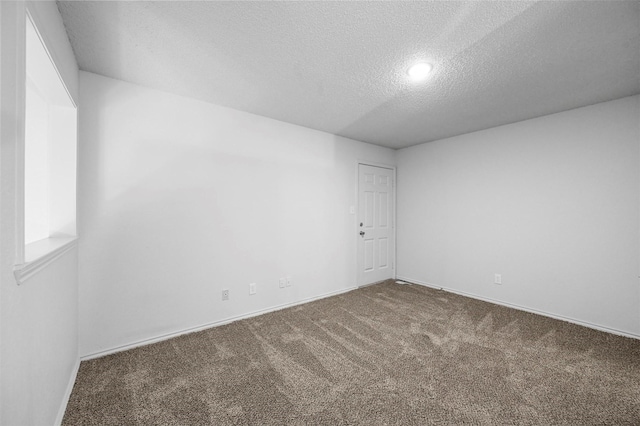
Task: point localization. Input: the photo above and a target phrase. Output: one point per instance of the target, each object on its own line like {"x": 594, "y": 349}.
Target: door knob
{"x": 361, "y": 233}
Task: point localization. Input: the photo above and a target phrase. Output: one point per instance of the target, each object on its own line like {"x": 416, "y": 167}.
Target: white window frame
{"x": 32, "y": 258}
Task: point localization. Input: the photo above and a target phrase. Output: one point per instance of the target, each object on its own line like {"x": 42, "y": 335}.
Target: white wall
{"x": 552, "y": 204}
{"x": 179, "y": 199}
{"x": 39, "y": 344}
{"x": 38, "y": 319}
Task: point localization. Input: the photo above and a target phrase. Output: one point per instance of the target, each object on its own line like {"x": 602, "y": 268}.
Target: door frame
{"x": 357, "y": 214}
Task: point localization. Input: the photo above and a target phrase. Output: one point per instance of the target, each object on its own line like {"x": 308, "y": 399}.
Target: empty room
{"x": 319, "y": 212}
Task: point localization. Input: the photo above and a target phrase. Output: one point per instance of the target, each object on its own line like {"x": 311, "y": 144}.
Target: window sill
{"x": 40, "y": 254}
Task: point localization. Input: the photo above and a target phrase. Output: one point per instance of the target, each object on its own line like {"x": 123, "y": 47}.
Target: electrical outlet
{"x": 252, "y": 288}
{"x": 498, "y": 279}
{"x": 225, "y": 294}
{"x": 288, "y": 281}
{"x": 283, "y": 282}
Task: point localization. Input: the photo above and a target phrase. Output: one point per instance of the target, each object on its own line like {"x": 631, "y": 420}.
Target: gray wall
{"x": 39, "y": 319}
{"x": 550, "y": 203}
{"x": 179, "y": 199}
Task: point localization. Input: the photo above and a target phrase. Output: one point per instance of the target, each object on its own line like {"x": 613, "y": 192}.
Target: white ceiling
{"x": 341, "y": 67}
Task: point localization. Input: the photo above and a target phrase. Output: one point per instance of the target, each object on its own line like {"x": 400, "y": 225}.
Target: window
{"x": 50, "y": 140}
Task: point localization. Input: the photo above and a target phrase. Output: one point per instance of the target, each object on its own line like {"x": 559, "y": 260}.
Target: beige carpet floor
{"x": 387, "y": 354}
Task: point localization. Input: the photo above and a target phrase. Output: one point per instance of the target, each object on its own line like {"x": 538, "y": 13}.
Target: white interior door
{"x": 376, "y": 235}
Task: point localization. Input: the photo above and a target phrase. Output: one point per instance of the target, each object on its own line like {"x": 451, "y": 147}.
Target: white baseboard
{"x": 67, "y": 394}
{"x": 523, "y": 308}
{"x": 201, "y": 327}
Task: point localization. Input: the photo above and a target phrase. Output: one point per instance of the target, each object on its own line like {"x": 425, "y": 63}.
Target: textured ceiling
{"x": 341, "y": 67}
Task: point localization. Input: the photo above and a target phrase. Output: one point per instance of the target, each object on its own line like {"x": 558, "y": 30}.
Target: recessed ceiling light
{"x": 420, "y": 71}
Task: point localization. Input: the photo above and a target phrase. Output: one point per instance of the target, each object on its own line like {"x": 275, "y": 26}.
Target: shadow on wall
{"x": 182, "y": 229}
